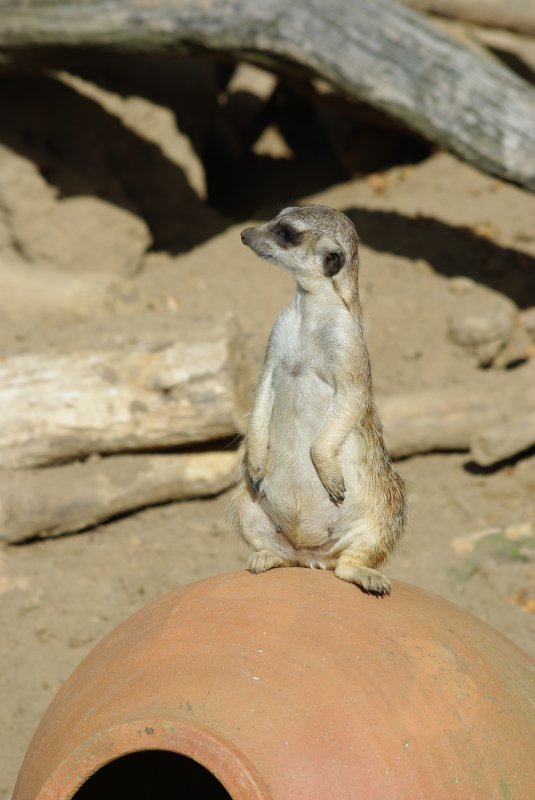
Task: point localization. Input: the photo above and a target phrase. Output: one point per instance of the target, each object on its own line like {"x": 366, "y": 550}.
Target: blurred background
{"x": 133, "y": 322}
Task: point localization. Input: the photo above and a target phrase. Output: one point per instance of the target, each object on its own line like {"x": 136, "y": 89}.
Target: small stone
{"x": 486, "y": 333}
{"x": 378, "y": 182}
{"x": 463, "y": 545}
{"x": 461, "y": 285}
{"x": 519, "y": 532}
{"x": 527, "y": 321}
{"x": 487, "y": 230}
{"x": 272, "y": 143}
{"x": 517, "y": 349}
{"x": 523, "y": 599}
{"x": 253, "y": 80}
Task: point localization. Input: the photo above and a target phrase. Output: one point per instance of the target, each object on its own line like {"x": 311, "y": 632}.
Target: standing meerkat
{"x": 317, "y": 487}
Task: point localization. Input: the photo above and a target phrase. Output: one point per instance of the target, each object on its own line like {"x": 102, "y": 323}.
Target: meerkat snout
{"x": 317, "y": 245}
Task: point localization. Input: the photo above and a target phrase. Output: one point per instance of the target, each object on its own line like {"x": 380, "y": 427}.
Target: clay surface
{"x": 291, "y": 684}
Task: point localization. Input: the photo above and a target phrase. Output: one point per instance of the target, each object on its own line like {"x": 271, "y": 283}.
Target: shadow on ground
{"x": 450, "y": 250}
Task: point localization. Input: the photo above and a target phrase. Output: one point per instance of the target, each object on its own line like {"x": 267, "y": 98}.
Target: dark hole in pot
{"x": 152, "y": 775}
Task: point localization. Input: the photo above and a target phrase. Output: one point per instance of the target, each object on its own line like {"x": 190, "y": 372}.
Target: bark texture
{"x": 505, "y": 440}
{"x": 54, "y": 500}
{"x": 498, "y": 424}
{"x": 377, "y": 51}
{"x": 156, "y": 392}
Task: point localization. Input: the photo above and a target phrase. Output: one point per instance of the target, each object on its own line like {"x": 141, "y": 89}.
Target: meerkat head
{"x": 317, "y": 244}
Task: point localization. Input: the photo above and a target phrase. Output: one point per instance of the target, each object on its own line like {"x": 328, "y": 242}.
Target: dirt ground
{"x": 120, "y": 195}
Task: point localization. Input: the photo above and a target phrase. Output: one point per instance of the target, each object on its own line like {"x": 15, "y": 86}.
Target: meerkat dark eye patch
{"x": 285, "y": 235}
{"x": 333, "y": 263}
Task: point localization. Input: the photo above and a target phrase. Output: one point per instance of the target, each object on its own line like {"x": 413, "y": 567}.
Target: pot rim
{"x": 210, "y": 749}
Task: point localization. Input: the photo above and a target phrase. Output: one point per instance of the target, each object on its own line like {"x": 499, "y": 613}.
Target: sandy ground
{"x": 439, "y": 240}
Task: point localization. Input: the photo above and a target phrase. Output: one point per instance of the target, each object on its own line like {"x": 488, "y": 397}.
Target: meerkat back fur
{"x": 317, "y": 487}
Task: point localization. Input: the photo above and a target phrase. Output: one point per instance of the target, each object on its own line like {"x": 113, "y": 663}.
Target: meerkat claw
{"x": 337, "y": 499}
{"x": 337, "y": 492}
{"x": 263, "y": 560}
{"x": 370, "y": 580}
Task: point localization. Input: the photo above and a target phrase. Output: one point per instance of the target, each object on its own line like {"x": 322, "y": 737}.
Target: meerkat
{"x": 317, "y": 487}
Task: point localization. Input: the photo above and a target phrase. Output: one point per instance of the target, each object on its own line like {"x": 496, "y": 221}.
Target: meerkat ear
{"x": 333, "y": 261}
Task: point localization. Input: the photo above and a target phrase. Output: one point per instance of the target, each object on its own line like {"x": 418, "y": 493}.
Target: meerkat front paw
{"x": 256, "y": 476}
{"x": 330, "y": 475}
{"x": 370, "y": 580}
{"x": 335, "y": 487}
{"x": 337, "y": 493}
{"x": 263, "y": 560}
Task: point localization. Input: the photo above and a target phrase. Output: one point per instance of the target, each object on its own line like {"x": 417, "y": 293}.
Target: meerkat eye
{"x": 285, "y": 234}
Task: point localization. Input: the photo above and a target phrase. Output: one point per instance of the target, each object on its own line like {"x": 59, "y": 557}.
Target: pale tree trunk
{"x": 493, "y": 414}
{"x": 54, "y": 500}
{"x": 180, "y": 388}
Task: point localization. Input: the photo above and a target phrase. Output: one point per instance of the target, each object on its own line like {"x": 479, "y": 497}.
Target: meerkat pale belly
{"x": 292, "y": 494}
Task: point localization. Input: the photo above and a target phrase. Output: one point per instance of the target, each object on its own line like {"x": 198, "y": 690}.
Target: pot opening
{"x": 150, "y": 774}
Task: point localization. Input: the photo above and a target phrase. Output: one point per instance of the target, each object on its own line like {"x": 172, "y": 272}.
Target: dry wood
{"x": 515, "y": 49}
{"x": 451, "y": 418}
{"x": 54, "y": 500}
{"x": 514, "y": 15}
{"x": 375, "y": 51}
{"x": 504, "y": 440}
{"x": 157, "y": 390}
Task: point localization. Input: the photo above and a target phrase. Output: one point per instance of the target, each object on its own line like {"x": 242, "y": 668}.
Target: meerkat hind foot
{"x": 263, "y": 560}
{"x": 370, "y": 580}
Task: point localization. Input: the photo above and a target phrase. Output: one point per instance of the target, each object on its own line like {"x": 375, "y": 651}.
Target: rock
{"x": 272, "y": 143}
{"x": 152, "y": 122}
{"x": 460, "y": 284}
{"x": 127, "y": 154}
{"x": 504, "y": 439}
{"x": 517, "y": 349}
{"x": 251, "y": 79}
{"x": 527, "y": 320}
{"x": 484, "y": 334}
{"x": 85, "y": 234}
{"x": 75, "y": 234}
{"x": 243, "y": 101}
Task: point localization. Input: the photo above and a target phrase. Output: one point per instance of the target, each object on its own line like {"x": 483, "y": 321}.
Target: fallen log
{"x": 47, "y": 502}
{"x": 516, "y": 50}
{"x": 514, "y": 15}
{"x": 452, "y": 418}
{"x": 504, "y": 440}
{"x": 375, "y": 51}
{"x": 153, "y": 389}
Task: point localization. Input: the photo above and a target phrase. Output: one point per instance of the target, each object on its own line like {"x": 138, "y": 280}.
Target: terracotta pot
{"x": 292, "y": 684}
